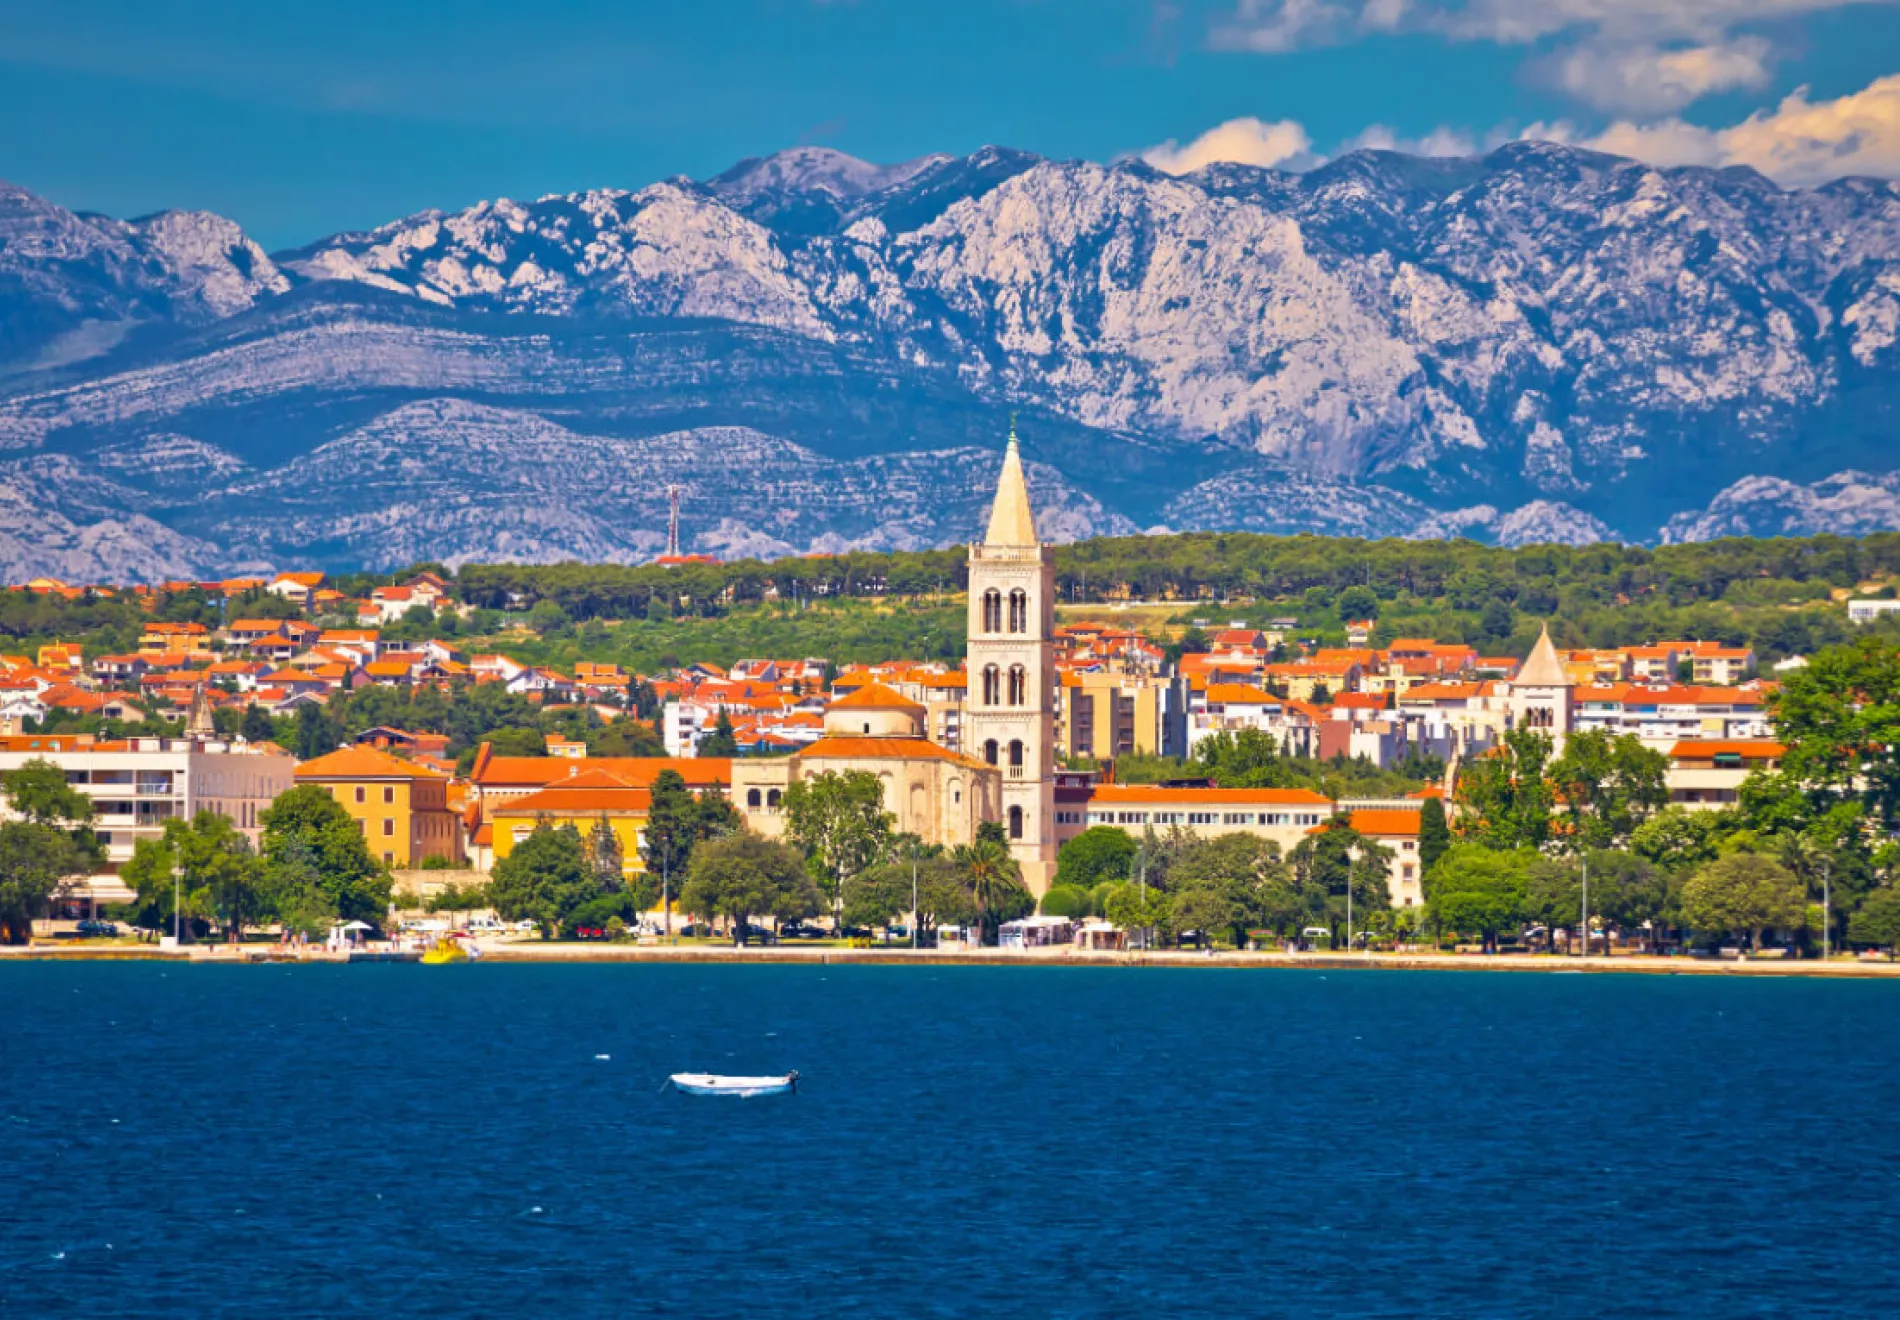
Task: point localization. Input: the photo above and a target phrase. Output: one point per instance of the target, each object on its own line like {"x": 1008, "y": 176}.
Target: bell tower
{"x": 1009, "y": 714}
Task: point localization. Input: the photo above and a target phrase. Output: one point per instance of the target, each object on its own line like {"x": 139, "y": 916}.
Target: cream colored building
{"x": 1108, "y": 714}
{"x": 1009, "y": 716}
{"x": 935, "y": 793}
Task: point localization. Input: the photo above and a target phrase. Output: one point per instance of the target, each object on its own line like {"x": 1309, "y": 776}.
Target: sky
{"x": 299, "y": 120}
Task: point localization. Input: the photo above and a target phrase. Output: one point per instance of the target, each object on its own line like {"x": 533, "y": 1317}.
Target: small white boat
{"x": 743, "y": 1088}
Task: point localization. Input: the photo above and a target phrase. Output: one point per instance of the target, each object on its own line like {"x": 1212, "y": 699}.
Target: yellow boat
{"x": 444, "y": 951}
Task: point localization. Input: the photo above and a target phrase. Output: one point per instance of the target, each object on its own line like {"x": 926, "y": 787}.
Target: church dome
{"x": 874, "y": 711}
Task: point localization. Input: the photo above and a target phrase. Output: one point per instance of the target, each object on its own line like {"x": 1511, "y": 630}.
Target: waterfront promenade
{"x": 536, "y": 951}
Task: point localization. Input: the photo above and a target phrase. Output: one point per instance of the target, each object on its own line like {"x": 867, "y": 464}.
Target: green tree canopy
{"x": 994, "y": 880}
{"x": 1475, "y": 890}
{"x": 544, "y": 879}
{"x": 307, "y": 827}
{"x": 1743, "y": 894}
{"x": 221, "y": 877}
{"x": 743, "y": 877}
{"x": 1840, "y": 719}
{"x": 1434, "y": 833}
{"x": 43, "y": 852}
{"x": 837, "y": 819}
{"x": 720, "y": 742}
{"x": 1876, "y": 922}
{"x": 1098, "y": 853}
{"x": 1608, "y": 786}
{"x": 1504, "y": 797}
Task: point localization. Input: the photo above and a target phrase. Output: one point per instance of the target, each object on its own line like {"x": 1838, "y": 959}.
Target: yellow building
{"x": 582, "y": 800}
{"x": 402, "y": 808}
{"x": 1106, "y": 714}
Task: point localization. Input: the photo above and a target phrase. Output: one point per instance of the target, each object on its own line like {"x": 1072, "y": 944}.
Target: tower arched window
{"x": 992, "y": 611}
{"x": 1018, "y": 685}
{"x": 1015, "y": 753}
{"x": 989, "y": 751}
{"x": 1019, "y": 611}
{"x": 992, "y": 686}
{"x": 1015, "y": 822}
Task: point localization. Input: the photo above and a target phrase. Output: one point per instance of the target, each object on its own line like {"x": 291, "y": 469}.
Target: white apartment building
{"x": 137, "y": 784}
{"x": 1666, "y": 715}
{"x": 1866, "y": 611}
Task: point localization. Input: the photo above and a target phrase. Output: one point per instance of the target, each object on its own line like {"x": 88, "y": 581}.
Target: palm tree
{"x": 994, "y": 878}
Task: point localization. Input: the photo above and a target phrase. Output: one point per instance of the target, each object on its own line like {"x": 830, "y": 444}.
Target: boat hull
{"x": 737, "y": 1088}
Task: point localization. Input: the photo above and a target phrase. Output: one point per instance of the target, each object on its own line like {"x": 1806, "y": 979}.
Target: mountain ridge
{"x": 1540, "y": 343}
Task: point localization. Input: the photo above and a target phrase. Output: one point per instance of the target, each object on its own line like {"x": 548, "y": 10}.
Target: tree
{"x": 625, "y": 737}
{"x": 1134, "y": 908}
{"x": 307, "y": 827}
{"x": 677, "y": 822}
{"x": 1339, "y": 860}
{"x": 543, "y": 879}
{"x": 1504, "y": 797}
{"x": 1876, "y": 922}
{"x": 457, "y": 899}
{"x": 720, "y": 742}
{"x": 742, "y": 877}
{"x": 1098, "y": 853}
{"x": 1678, "y": 839}
{"x": 294, "y": 890}
{"x": 46, "y": 850}
{"x": 1608, "y": 786}
{"x": 605, "y": 862}
{"x": 1475, "y": 890}
{"x": 1743, "y": 894}
{"x": 1250, "y": 882}
{"x": 994, "y": 880}
{"x": 210, "y": 865}
{"x": 1066, "y": 901}
{"x": 1839, "y": 718}
{"x": 837, "y": 819}
{"x": 257, "y": 726}
{"x": 313, "y": 734}
{"x": 1434, "y": 833}
{"x": 1356, "y": 603}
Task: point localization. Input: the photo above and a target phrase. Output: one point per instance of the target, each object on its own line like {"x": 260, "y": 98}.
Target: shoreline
{"x": 527, "y": 952}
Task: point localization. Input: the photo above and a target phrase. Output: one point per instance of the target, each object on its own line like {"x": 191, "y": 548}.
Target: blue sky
{"x": 299, "y": 120}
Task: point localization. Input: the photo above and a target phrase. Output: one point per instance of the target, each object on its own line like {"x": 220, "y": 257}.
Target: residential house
{"x": 401, "y": 807}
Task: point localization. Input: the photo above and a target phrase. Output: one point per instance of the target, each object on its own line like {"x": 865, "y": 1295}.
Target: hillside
{"x": 1542, "y": 344}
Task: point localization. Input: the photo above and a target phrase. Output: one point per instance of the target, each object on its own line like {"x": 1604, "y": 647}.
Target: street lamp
{"x": 1586, "y": 906}
{"x": 913, "y": 894}
{"x": 1827, "y": 914}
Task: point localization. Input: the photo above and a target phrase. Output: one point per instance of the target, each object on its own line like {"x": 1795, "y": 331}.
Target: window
{"x": 1015, "y": 822}
{"x": 388, "y": 858}
{"x": 361, "y": 795}
{"x": 1015, "y": 754}
{"x": 989, "y": 751}
{"x": 752, "y": 797}
{"x": 389, "y": 795}
{"x": 771, "y": 799}
{"x": 1018, "y": 685}
{"x": 992, "y": 611}
{"x": 389, "y": 829}
{"x": 992, "y": 686}
{"x": 1018, "y": 611}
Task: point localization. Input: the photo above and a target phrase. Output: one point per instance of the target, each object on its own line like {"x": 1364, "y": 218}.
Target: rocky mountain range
{"x": 1544, "y": 343}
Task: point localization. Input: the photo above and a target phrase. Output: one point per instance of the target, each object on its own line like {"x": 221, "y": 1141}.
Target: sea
{"x": 497, "y": 1140}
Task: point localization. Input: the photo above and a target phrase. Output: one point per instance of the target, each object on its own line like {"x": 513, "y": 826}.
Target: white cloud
{"x": 1799, "y": 143}
{"x": 1441, "y": 141}
{"x": 1283, "y": 144}
{"x": 1632, "y": 57}
{"x": 1647, "y": 80}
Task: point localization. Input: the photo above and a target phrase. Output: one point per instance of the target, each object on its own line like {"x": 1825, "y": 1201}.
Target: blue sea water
{"x": 190, "y": 1141}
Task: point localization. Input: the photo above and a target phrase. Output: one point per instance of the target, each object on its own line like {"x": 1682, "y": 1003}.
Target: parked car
{"x": 524, "y": 926}
{"x": 98, "y": 929}
{"x": 797, "y": 930}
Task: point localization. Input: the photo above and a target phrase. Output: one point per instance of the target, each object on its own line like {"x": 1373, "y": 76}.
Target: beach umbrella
{"x": 359, "y": 925}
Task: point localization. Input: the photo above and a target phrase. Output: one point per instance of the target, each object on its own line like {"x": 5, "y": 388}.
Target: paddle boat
{"x": 743, "y": 1088}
